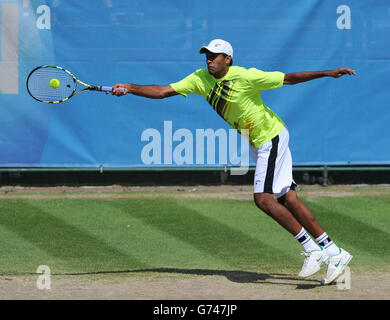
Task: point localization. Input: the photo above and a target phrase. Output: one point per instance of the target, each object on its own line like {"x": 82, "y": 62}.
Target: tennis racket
{"x": 53, "y": 84}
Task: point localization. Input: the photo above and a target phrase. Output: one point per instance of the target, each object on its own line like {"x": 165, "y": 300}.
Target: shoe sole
{"x": 340, "y": 273}
{"x": 310, "y": 274}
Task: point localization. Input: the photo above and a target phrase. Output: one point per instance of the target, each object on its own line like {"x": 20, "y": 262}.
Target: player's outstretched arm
{"x": 147, "y": 91}
{"x": 298, "y": 77}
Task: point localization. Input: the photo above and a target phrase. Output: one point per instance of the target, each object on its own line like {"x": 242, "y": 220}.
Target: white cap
{"x": 218, "y": 46}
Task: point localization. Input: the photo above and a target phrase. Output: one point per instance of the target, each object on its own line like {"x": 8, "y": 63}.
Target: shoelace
{"x": 307, "y": 254}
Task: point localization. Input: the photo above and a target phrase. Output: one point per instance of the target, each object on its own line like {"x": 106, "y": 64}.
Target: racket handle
{"x": 109, "y": 89}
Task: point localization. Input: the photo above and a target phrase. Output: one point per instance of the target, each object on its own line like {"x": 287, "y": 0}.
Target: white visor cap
{"x": 218, "y": 46}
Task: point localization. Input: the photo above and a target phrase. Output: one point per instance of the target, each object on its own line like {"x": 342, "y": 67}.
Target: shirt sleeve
{"x": 187, "y": 85}
{"x": 261, "y": 80}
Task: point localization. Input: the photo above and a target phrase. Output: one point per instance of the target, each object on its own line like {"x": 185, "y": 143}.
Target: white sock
{"x": 329, "y": 246}
{"x": 306, "y": 241}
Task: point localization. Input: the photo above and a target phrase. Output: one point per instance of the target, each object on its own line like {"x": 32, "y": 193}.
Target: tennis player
{"x": 235, "y": 94}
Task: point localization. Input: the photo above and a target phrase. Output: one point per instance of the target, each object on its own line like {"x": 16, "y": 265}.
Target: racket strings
{"x": 39, "y": 84}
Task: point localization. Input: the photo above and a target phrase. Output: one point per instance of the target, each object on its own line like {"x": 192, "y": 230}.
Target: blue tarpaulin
{"x": 331, "y": 121}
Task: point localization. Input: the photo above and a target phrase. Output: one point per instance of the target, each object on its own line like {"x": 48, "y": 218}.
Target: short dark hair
{"x": 231, "y": 61}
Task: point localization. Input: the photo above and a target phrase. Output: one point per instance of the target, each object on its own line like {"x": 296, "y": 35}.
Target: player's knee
{"x": 288, "y": 203}
{"x": 264, "y": 201}
{"x": 289, "y": 200}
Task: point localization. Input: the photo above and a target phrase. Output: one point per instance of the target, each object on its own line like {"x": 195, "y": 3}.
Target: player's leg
{"x": 273, "y": 177}
{"x": 273, "y": 174}
{"x": 301, "y": 212}
{"x": 315, "y": 256}
{"x": 266, "y": 202}
{"x": 337, "y": 258}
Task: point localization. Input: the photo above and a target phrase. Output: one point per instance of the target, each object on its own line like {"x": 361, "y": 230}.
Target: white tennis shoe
{"x": 336, "y": 266}
{"x": 313, "y": 262}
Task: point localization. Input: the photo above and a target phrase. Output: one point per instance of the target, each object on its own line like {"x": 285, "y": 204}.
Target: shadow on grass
{"x": 232, "y": 275}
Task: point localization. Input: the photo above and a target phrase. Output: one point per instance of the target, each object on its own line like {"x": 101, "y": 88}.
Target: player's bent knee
{"x": 289, "y": 200}
{"x": 264, "y": 201}
{"x": 289, "y": 203}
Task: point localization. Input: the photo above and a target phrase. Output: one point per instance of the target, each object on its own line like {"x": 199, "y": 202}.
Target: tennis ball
{"x": 54, "y": 83}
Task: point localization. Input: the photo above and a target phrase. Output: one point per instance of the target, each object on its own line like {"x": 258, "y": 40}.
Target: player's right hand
{"x": 117, "y": 89}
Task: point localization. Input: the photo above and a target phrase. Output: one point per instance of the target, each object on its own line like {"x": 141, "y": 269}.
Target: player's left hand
{"x": 337, "y": 73}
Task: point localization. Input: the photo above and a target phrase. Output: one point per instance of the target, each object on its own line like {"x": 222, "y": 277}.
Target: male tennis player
{"x": 234, "y": 92}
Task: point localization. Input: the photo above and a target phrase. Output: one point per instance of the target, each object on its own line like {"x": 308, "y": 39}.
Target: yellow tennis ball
{"x": 54, "y": 83}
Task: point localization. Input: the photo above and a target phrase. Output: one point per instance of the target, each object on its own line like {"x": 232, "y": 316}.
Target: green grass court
{"x": 99, "y": 235}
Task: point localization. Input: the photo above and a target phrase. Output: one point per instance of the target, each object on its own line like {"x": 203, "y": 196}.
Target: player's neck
{"x": 222, "y": 73}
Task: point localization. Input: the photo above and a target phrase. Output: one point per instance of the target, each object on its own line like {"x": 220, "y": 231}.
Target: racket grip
{"x": 104, "y": 88}
{"x": 109, "y": 89}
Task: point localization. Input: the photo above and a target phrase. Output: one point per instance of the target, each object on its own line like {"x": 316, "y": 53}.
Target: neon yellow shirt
{"x": 237, "y": 98}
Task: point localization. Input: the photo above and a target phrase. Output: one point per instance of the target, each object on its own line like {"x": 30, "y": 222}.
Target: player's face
{"x": 217, "y": 64}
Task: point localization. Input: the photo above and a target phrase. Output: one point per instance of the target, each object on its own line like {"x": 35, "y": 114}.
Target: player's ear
{"x": 228, "y": 60}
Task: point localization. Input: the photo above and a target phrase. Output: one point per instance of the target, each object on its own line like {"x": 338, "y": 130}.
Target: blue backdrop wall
{"x": 331, "y": 121}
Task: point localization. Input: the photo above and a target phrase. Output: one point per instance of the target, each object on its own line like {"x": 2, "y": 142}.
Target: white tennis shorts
{"x": 273, "y": 161}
